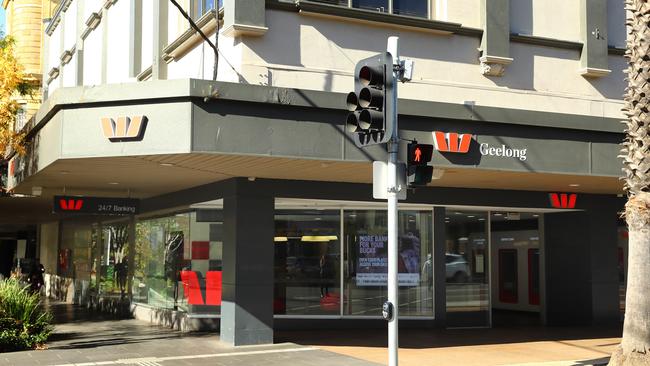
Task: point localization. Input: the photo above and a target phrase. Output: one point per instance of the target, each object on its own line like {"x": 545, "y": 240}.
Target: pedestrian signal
{"x": 419, "y": 173}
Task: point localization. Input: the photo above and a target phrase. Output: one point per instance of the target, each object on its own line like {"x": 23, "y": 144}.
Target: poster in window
{"x": 372, "y": 260}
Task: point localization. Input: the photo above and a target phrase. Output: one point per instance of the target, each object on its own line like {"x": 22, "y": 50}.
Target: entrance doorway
{"x": 515, "y": 256}
{"x": 492, "y": 264}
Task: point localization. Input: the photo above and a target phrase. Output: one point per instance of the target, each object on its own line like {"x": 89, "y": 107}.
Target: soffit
{"x": 144, "y": 176}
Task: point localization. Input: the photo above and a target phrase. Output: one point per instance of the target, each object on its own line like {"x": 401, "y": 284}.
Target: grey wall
{"x": 304, "y": 132}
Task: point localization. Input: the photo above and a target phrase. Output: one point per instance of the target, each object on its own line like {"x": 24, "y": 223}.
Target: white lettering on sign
{"x": 503, "y": 151}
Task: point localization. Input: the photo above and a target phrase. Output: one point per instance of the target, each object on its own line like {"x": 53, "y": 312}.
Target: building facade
{"x": 252, "y": 207}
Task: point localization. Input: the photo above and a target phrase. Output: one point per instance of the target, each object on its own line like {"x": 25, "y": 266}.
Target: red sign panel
{"x": 192, "y": 288}
{"x": 452, "y": 142}
{"x": 563, "y": 200}
{"x": 70, "y": 204}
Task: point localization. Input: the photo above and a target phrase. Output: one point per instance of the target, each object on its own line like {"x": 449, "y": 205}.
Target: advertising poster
{"x": 372, "y": 260}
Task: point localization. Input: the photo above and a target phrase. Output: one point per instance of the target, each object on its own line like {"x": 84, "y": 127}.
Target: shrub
{"x": 23, "y": 323}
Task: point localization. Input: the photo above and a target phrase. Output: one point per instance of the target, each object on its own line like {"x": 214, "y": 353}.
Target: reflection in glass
{"x": 307, "y": 262}
{"x": 515, "y": 268}
{"x": 75, "y": 258}
{"x": 414, "y": 8}
{"x": 333, "y": 2}
{"x": 366, "y": 263}
{"x": 466, "y": 268}
{"x": 113, "y": 260}
{"x": 376, "y": 5}
{"x": 159, "y": 250}
{"x": 178, "y": 263}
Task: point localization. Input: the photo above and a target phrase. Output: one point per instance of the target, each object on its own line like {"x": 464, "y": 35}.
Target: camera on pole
{"x": 371, "y": 103}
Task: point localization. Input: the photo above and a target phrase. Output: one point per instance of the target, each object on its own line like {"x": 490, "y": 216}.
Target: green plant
{"x": 23, "y": 323}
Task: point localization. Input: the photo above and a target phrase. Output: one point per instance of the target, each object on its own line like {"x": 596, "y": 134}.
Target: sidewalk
{"x": 82, "y": 338}
{"x": 529, "y": 346}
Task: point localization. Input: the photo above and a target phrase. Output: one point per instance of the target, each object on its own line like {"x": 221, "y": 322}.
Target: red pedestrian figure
{"x": 418, "y": 154}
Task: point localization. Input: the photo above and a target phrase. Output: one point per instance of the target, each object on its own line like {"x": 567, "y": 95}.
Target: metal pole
{"x": 393, "y": 189}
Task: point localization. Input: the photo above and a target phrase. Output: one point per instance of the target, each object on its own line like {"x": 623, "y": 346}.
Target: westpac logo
{"x": 71, "y": 204}
{"x": 124, "y": 128}
{"x": 193, "y": 290}
{"x": 563, "y": 200}
{"x": 452, "y": 142}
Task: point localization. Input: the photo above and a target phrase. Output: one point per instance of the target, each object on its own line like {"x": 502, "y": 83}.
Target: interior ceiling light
{"x": 574, "y": 185}
{"x": 113, "y": 183}
{"x": 318, "y": 238}
{"x": 166, "y": 164}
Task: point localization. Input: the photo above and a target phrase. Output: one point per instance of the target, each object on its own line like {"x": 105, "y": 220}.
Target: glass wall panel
{"x": 366, "y": 262}
{"x": 160, "y": 245}
{"x": 113, "y": 259}
{"x": 75, "y": 257}
{"x": 467, "y": 269}
{"x": 200, "y": 274}
{"x": 307, "y": 262}
{"x": 178, "y": 262}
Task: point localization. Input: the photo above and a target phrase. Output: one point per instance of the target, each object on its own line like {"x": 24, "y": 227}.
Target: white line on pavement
{"x": 155, "y": 361}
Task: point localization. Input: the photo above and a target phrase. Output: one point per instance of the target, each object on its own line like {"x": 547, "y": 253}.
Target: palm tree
{"x": 635, "y": 346}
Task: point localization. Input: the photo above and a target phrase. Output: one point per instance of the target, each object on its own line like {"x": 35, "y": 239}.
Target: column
{"x": 439, "y": 269}
{"x": 593, "y": 31}
{"x": 244, "y": 17}
{"x": 160, "y": 30}
{"x": 495, "y": 44}
{"x": 247, "y": 299}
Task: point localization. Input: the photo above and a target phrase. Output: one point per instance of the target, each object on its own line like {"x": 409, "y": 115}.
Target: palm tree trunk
{"x": 635, "y": 347}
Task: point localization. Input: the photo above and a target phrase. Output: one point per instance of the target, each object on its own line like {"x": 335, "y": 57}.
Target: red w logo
{"x": 71, "y": 204}
{"x": 192, "y": 288}
{"x": 452, "y": 142}
{"x": 563, "y": 200}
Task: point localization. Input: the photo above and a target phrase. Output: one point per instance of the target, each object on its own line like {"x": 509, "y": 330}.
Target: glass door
{"x": 467, "y": 268}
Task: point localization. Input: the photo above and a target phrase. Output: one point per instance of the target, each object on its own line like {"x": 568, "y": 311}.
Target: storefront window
{"x": 178, "y": 262}
{"x": 307, "y": 262}
{"x": 366, "y": 263}
{"x": 75, "y": 258}
{"x": 159, "y": 251}
{"x": 200, "y": 274}
{"x": 113, "y": 260}
{"x": 467, "y": 269}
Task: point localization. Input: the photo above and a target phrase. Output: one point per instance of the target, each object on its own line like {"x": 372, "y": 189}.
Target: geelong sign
{"x": 96, "y": 205}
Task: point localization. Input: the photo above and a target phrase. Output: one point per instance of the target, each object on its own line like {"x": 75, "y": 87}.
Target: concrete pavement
{"x": 529, "y": 346}
{"x": 82, "y": 338}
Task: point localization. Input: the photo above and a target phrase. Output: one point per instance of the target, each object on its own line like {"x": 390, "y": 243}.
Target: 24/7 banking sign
{"x": 96, "y": 205}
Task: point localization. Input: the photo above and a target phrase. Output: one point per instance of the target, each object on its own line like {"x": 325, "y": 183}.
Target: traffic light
{"x": 419, "y": 173}
{"x": 371, "y": 104}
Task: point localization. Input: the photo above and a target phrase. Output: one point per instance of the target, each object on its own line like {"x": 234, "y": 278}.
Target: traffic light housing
{"x": 371, "y": 104}
{"x": 419, "y": 155}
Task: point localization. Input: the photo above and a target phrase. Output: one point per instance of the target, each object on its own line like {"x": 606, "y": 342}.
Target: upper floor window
{"x": 21, "y": 118}
{"x": 414, "y": 8}
{"x": 200, "y": 7}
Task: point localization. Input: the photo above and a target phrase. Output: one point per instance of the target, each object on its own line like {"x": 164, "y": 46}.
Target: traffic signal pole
{"x": 373, "y": 120}
{"x": 393, "y": 190}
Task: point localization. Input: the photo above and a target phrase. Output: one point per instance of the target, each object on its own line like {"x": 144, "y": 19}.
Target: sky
{"x": 2, "y": 20}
